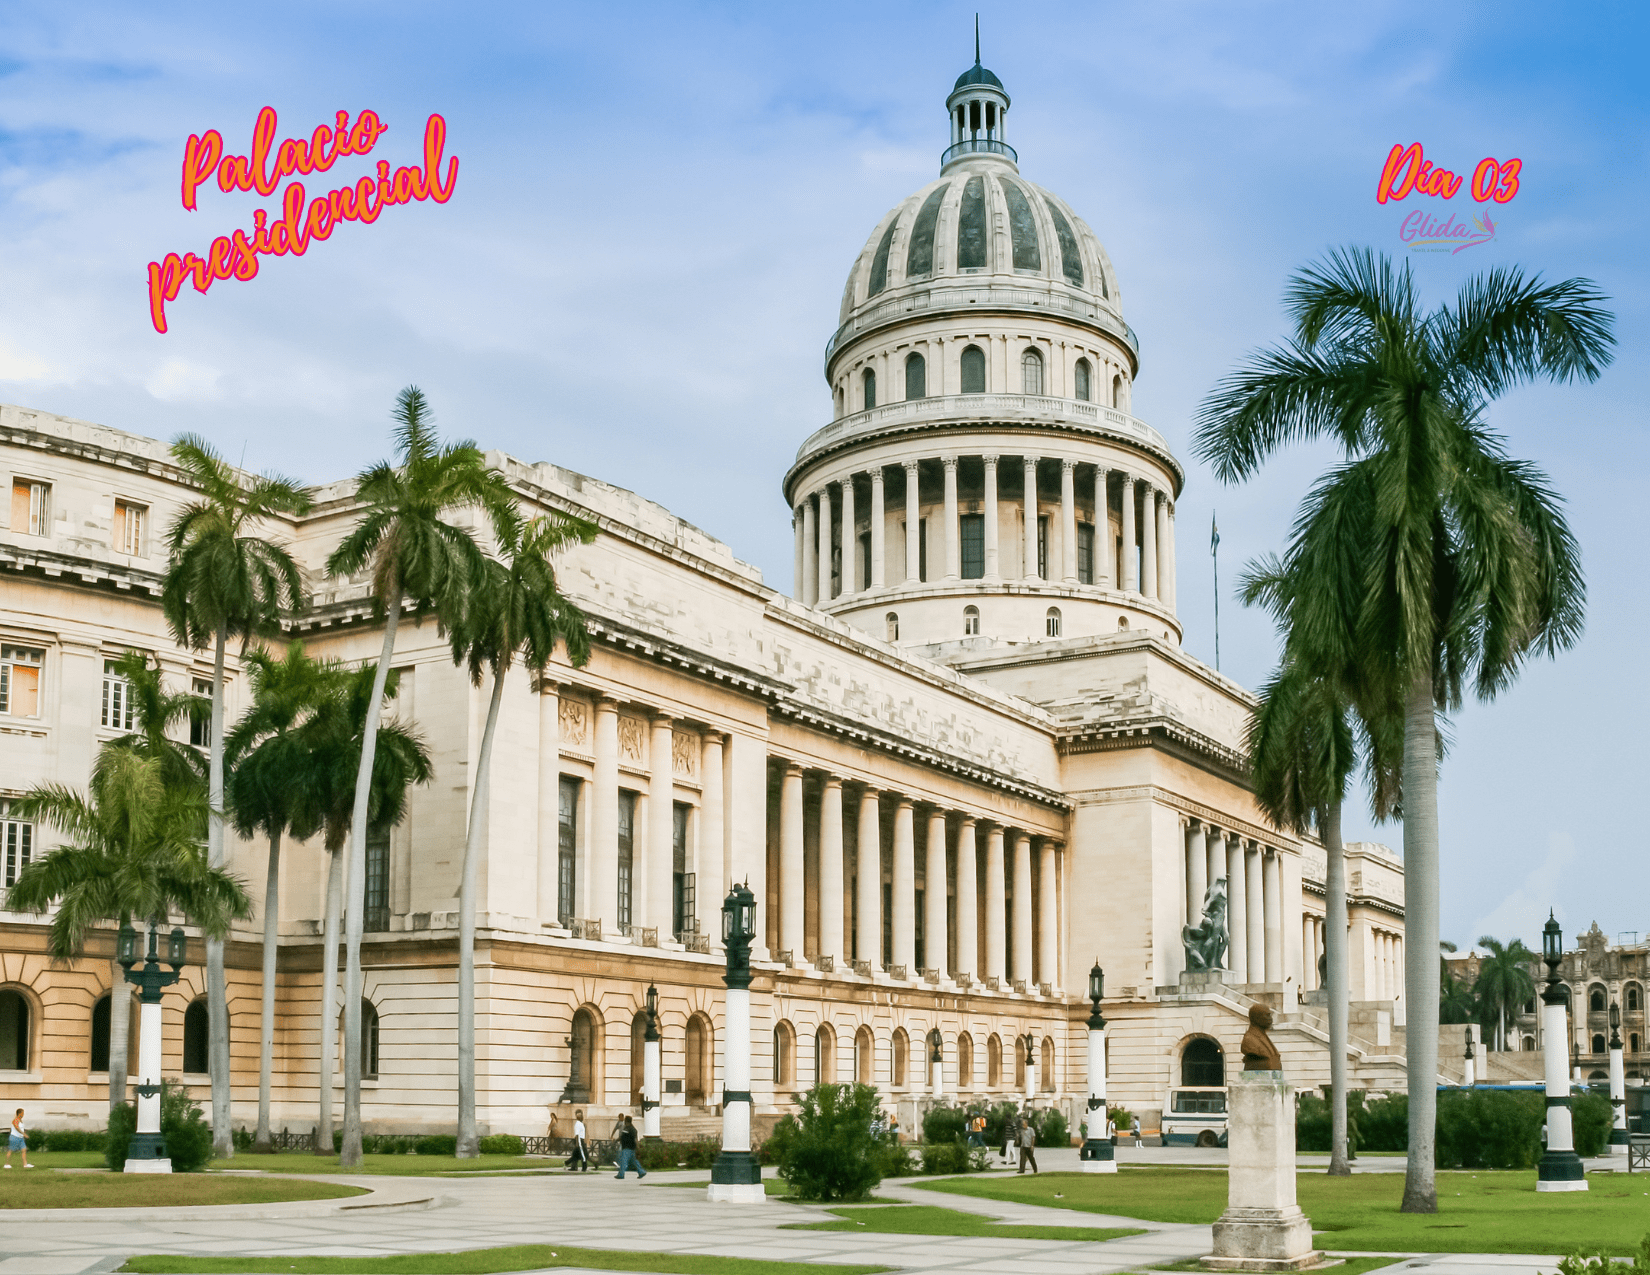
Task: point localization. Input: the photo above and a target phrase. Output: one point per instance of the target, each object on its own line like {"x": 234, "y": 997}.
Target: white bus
{"x": 1195, "y": 1117}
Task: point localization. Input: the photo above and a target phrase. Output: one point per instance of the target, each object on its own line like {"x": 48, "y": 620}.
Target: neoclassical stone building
{"x": 964, "y": 761}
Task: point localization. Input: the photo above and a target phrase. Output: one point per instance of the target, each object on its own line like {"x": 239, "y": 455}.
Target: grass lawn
{"x": 60, "y": 1160}
{"x": 485, "y": 1261}
{"x": 44, "y": 1189}
{"x": 923, "y": 1219}
{"x": 398, "y": 1165}
{"x": 1482, "y": 1212}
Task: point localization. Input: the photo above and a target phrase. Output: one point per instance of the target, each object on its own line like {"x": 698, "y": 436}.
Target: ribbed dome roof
{"x": 976, "y": 74}
{"x": 980, "y": 220}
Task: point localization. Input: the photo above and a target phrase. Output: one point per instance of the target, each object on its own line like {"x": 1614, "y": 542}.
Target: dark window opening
{"x": 100, "y": 1034}
{"x": 879, "y": 263}
{"x": 1598, "y": 1043}
{"x": 973, "y": 370}
{"x": 567, "y": 838}
{"x": 369, "y": 1041}
{"x": 887, "y": 925}
{"x": 627, "y": 855}
{"x": 971, "y": 234}
{"x": 922, "y": 549}
{"x": 916, "y": 377}
{"x": 921, "y": 945}
{"x": 973, "y": 546}
{"x": 1022, "y": 228}
{"x": 1202, "y": 1064}
{"x": 1081, "y": 381}
{"x": 377, "y": 915}
{"x": 1071, "y": 262}
{"x": 196, "y": 1039}
{"x": 1085, "y": 553}
{"x": 919, "y": 258}
{"x": 865, "y": 559}
{"x": 683, "y": 902}
{"x": 869, "y": 382}
{"x": 1042, "y": 546}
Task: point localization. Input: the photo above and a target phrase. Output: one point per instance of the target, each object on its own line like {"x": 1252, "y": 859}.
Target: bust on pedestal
{"x": 1262, "y": 1229}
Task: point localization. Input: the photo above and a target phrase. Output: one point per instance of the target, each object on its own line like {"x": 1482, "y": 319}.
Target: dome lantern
{"x": 978, "y": 108}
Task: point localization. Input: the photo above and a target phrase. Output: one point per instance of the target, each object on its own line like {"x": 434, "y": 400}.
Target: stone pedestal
{"x": 1262, "y": 1228}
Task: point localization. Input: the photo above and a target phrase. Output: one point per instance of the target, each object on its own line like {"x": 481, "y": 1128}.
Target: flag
{"x": 1214, "y": 536}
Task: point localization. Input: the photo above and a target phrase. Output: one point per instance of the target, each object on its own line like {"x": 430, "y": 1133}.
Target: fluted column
{"x": 996, "y": 907}
{"x": 879, "y": 531}
{"x": 1256, "y": 908}
{"x": 905, "y": 887}
{"x": 1068, "y": 524}
{"x": 826, "y": 593}
{"x": 936, "y": 941}
{"x": 953, "y": 527}
{"x": 799, "y": 573}
{"x": 791, "y": 870}
{"x": 810, "y": 555}
{"x": 1022, "y": 908}
{"x": 913, "y": 525}
{"x": 968, "y": 916}
{"x": 993, "y": 568}
{"x": 869, "y": 879}
{"x": 1102, "y": 530}
{"x": 1197, "y": 872}
{"x": 850, "y": 550}
{"x": 1131, "y": 560}
{"x": 1237, "y": 950}
{"x": 710, "y": 885}
{"x": 1272, "y": 886}
{"x": 830, "y": 870}
{"x": 1048, "y": 918}
{"x": 659, "y": 906}
{"x": 1148, "y": 539}
{"x": 1031, "y": 572}
{"x": 602, "y": 901}
{"x": 1165, "y": 551}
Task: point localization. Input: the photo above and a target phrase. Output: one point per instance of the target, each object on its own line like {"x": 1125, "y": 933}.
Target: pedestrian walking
{"x": 579, "y": 1161}
{"x": 1011, "y": 1134}
{"x": 1028, "y": 1146}
{"x": 976, "y": 1130}
{"x": 1135, "y": 1130}
{"x": 19, "y": 1140}
{"x": 627, "y": 1149}
{"x": 893, "y": 1128}
{"x": 1111, "y": 1130}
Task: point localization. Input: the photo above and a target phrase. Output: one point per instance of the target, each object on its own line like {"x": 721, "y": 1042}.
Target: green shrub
{"x": 996, "y": 1118}
{"x": 1489, "y": 1129}
{"x": 1052, "y": 1130}
{"x": 893, "y": 1160}
{"x": 65, "y": 1140}
{"x": 701, "y": 1153}
{"x": 36, "y": 1139}
{"x": 827, "y": 1151}
{"x": 242, "y": 1138}
{"x": 188, "y": 1136}
{"x": 945, "y": 1157}
{"x": 945, "y": 1124}
{"x": 1378, "y": 1123}
{"x": 1582, "y": 1262}
{"x": 501, "y": 1144}
{"x": 437, "y": 1144}
{"x": 1590, "y": 1114}
{"x": 1312, "y": 1131}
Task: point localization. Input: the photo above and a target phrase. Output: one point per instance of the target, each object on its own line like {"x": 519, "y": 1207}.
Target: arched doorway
{"x": 583, "y": 1081}
{"x": 197, "y": 1037}
{"x": 865, "y": 1056}
{"x": 14, "y": 1031}
{"x": 1202, "y": 1064}
{"x": 1045, "y": 1072}
{"x": 697, "y": 1042}
{"x": 638, "y": 1057}
{"x": 965, "y": 1061}
{"x": 824, "y": 1055}
{"x": 993, "y": 1061}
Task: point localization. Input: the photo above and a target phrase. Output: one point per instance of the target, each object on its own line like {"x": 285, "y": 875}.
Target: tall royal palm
{"x": 225, "y": 579}
{"x": 1468, "y": 567}
{"x": 1504, "y": 984}
{"x": 515, "y": 611}
{"x": 271, "y": 765}
{"x": 412, "y": 555}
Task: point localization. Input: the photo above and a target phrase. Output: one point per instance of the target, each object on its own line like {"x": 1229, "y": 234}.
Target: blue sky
{"x": 657, "y": 207}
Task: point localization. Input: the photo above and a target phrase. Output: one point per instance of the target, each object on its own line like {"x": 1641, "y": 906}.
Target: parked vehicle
{"x": 1195, "y": 1118}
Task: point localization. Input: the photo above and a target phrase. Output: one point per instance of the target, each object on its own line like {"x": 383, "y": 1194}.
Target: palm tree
{"x": 1465, "y": 565}
{"x": 225, "y": 581}
{"x": 1504, "y": 984}
{"x": 270, "y": 764}
{"x": 514, "y": 609}
{"x": 414, "y": 556}
{"x": 325, "y": 804}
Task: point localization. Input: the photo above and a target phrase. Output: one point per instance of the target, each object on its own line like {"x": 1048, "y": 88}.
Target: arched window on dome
{"x": 1122, "y": 622}
{"x": 868, "y": 383}
{"x": 916, "y": 377}
{"x": 892, "y": 622}
{"x": 1051, "y": 623}
{"x": 1081, "y": 380}
{"x": 971, "y": 621}
{"x": 1031, "y": 372}
{"x": 973, "y": 370}
{"x": 1117, "y": 392}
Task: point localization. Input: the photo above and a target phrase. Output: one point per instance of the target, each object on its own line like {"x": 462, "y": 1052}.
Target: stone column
{"x": 850, "y": 548}
{"x": 602, "y": 902}
{"x": 1131, "y": 560}
{"x": 826, "y": 592}
{"x": 1022, "y": 909}
{"x": 1215, "y": 846}
{"x": 799, "y": 574}
{"x": 905, "y": 888}
{"x": 1048, "y": 919}
{"x": 1031, "y": 572}
{"x": 659, "y": 871}
{"x": 968, "y": 915}
{"x": 791, "y": 871}
{"x": 1254, "y": 896}
{"x": 830, "y": 872}
{"x": 1197, "y": 872}
{"x": 993, "y": 568}
{"x": 953, "y": 528}
{"x": 1237, "y": 932}
{"x": 996, "y": 907}
{"x": 1068, "y": 520}
{"x": 711, "y": 837}
{"x": 935, "y": 938}
{"x": 1102, "y": 530}
{"x": 1165, "y": 551}
{"x": 879, "y": 532}
{"x": 810, "y": 558}
{"x": 549, "y": 828}
{"x": 913, "y": 525}
{"x": 1148, "y": 539}
{"x": 1273, "y": 887}
{"x": 869, "y": 880}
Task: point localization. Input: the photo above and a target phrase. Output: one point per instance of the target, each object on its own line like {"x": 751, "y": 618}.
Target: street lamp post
{"x": 736, "y": 1177}
{"x": 1560, "y": 1168}
{"x": 1031, "y": 1068}
{"x": 651, "y": 1069}
{"x": 146, "y": 1153}
{"x": 936, "y": 1066}
{"x": 1618, "y": 1085}
{"x": 1470, "y": 1078}
{"x": 1097, "y": 1155}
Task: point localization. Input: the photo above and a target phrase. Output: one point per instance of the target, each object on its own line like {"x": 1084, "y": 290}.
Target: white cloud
{"x": 179, "y": 381}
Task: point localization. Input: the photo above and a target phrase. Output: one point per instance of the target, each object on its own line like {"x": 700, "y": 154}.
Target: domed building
{"x": 982, "y": 481}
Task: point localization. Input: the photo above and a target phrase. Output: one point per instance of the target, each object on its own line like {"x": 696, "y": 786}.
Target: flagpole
{"x": 1214, "y": 552}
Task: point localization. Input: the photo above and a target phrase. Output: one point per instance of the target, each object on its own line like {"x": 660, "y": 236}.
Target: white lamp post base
{"x": 737, "y": 1193}
{"x": 1098, "y": 1166}
{"x": 148, "y": 1166}
{"x": 1568, "y": 1185}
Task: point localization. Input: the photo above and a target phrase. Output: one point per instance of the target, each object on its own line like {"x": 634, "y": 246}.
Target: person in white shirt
{"x": 580, "y": 1159}
{"x": 19, "y": 1140}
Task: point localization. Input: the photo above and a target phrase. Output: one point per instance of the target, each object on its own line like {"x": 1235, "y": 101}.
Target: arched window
{"x": 14, "y": 1031}
{"x": 993, "y": 1061}
{"x": 824, "y": 1055}
{"x": 916, "y": 376}
{"x": 1595, "y": 1000}
{"x": 971, "y": 621}
{"x": 1122, "y": 622}
{"x": 891, "y": 620}
{"x": 782, "y": 1055}
{"x": 868, "y": 383}
{"x": 1117, "y": 392}
{"x": 1528, "y": 1044}
{"x": 902, "y": 1049}
{"x": 1202, "y": 1063}
{"x": 638, "y": 1056}
{"x": 1598, "y": 1043}
{"x": 1051, "y": 623}
{"x": 698, "y": 1043}
{"x": 973, "y": 370}
{"x": 582, "y": 1071}
{"x": 369, "y": 1040}
{"x": 965, "y": 1061}
{"x": 865, "y": 1056}
{"x": 1633, "y": 1043}
{"x": 1045, "y": 1069}
{"x": 100, "y": 1035}
{"x": 1081, "y": 380}
{"x": 1632, "y": 998}
{"x": 1031, "y": 372}
{"x": 196, "y": 1039}
{"x": 1019, "y": 1061}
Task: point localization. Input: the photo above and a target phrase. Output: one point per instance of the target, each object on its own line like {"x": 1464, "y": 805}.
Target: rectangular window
{"x": 567, "y": 836}
{"x": 200, "y": 721}
{"x": 19, "y": 846}
{"x": 920, "y": 946}
{"x": 682, "y": 911}
{"x": 117, "y": 699}
{"x": 1042, "y": 546}
{"x": 887, "y": 925}
{"x": 973, "y": 546}
{"x": 1085, "y": 553}
{"x": 20, "y": 680}
{"x": 131, "y": 529}
{"x": 922, "y": 549}
{"x": 378, "y": 879}
{"x": 30, "y": 507}
{"x": 627, "y": 855}
{"x": 865, "y": 560}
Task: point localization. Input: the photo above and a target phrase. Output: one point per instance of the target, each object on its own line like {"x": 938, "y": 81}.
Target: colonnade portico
{"x": 1255, "y": 906}
{"x": 888, "y": 885}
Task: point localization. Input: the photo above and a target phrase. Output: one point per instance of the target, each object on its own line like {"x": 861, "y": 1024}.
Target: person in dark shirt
{"x": 627, "y": 1150}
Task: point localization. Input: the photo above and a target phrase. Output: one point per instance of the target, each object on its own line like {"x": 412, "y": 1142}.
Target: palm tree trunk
{"x": 266, "y": 1049}
{"x": 355, "y": 915}
{"x": 329, "y": 1000}
{"x": 468, "y": 1142}
{"x": 1421, "y": 936}
{"x": 1336, "y": 967}
{"x": 217, "y": 992}
{"x": 120, "y": 1031}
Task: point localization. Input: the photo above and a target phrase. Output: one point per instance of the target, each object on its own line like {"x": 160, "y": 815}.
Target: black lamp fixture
{"x": 738, "y": 933}
{"x": 934, "y": 1038}
{"x": 126, "y": 945}
{"x": 1552, "y": 946}
{"x": 1615, "y": 1025}
{"x": 652, "y": 1013}
{"x": 1469, "y": 1042}
{"x": 177, "y": 948}
{"x": 1097, "y": 993}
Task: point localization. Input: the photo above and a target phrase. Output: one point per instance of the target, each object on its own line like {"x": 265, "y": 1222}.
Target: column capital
{"x": 792, "y": 768}
{"x": 911, "y": 466}
{"x": 606, "y": 703}
{"x": 876, "y": 476}
{"x": 1128, "y": 478}
{"x": 832, "y": 781}
{"x": 950, "y": 462}
{"x": 1030, "y": 462}
{"x": 968, "y": 820}
{"x": 990, "y": 461}
{"x": 845, "y": 481}
{"x": 1068, "y": 466}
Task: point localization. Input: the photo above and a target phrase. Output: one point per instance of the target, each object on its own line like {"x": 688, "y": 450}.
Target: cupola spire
{"x": 978, "y": 107}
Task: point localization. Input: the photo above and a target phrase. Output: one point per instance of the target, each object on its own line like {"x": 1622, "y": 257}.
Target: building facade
{"x": 965, "y": 761}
